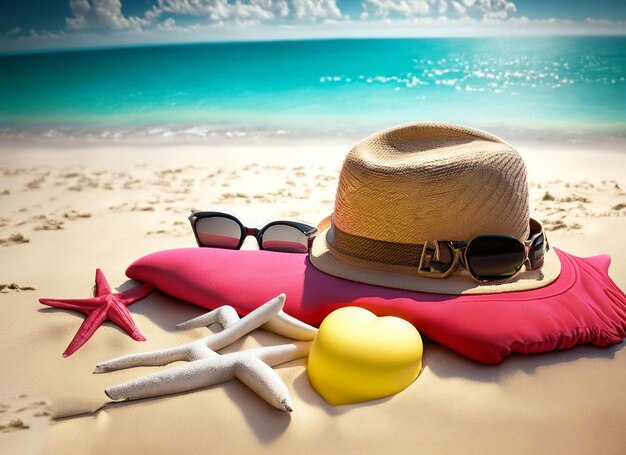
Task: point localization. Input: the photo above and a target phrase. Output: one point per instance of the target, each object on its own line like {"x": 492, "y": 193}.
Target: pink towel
{"x": 582, "y": 306}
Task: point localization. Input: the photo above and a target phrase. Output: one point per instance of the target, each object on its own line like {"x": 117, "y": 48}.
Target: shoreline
{"x": 607, "y": 137}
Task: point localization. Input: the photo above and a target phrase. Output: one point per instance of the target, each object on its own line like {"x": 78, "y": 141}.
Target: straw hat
{"x": 408, "y": 185}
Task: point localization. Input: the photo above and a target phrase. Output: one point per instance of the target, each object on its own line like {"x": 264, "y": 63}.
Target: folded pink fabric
{"x": 582, "y": 306}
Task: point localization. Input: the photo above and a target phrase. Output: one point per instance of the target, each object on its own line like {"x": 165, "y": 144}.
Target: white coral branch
{"x": 252, "y": 367}
{"x": 281, "y": 324}
{"x": 206, "y": 367}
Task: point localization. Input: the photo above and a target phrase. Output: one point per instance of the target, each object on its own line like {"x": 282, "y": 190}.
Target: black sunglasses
{"x": 486, "y": 257}
{"x": 221, "y": 230}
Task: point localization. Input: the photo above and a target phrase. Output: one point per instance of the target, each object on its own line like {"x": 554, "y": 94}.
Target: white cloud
{"x": 497, "y": 8}
{"x": 167, "y": 31}
{"x": 101, "y": 15}
{"x": 378, "y": 9}
{"x": 13, "y": 32}
{"x": 255, "y": 11}
{"x": 102, "y": 22}
{"x": 593, "y": 22}
{"x": 459, "y": 8}
{"x": 394, "y": 8}
{"x": 167, "y": 24}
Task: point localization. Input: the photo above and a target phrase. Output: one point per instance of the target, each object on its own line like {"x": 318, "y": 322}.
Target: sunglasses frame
{"x": 307, "y": 230}
{"x": 459, "y": 251}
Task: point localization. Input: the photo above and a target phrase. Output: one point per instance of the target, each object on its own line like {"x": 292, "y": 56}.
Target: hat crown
{"x": 430, "y": 181}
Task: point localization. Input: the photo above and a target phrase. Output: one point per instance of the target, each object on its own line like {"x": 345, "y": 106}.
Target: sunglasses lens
{"x": 218, "y": 232}
{"x": 494, "y": 257}
{"x": 282, "y": 237}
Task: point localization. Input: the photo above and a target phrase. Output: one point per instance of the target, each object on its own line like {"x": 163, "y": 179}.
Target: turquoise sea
{"x": 566, "y": 86}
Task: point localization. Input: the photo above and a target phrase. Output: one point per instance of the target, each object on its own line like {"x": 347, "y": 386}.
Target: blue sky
{"x": 33, "y": 24}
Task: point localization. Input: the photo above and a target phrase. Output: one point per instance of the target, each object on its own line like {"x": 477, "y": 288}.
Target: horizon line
{"x": 104, "y": 47}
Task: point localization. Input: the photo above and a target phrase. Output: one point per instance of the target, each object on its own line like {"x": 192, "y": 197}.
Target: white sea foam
{"x": 148, "y": 134}
{"x": 52, "y": 134}
{"x": 200, "y": 131}
{"x": 217, "y": 134}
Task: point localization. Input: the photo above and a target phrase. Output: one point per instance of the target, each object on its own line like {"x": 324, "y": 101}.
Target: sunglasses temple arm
{"x": 192, "y": 219}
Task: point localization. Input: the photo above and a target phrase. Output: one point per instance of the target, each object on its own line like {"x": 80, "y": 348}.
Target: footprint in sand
{"x": 183, "y": 190}
{"x": 575, "y": 198}
{"x": 82, "y": 177}
{"x": 176, "y": 229}
{"x": 48, "y": 224}
{"x": 261, "y": 198}
{"x": 15, "y": 414}
{"x": 556, "y": 225}
{"x": 14, "y": 425}
{"x": 43, "y": 223}
{"x": 13, "y": 239}
{"x": 274, "y": 168}
{"x": 69, "y": 175}
{"x": 14, "y": 287}
{"x": 35, "y": 184}
{"x": 82, "y": 183}
{"x": 76, "y": 215}
{"x": 230, "y": 196}
{"x": 118, "y": 207}
{"x": 212, "y": 175}
{"x": 565, "y": 205}
{"x": 11, "y": 172}
{"x": 160, "y": 232}
{"x": 142, "y": 208}
{"x": 618, "y": 207}
{"x": 131, "y": 184}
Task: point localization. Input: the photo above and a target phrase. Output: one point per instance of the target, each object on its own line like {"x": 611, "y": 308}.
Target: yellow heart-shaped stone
{"x": 357, "y": 356}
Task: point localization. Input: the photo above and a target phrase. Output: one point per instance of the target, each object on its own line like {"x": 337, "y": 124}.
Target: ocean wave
{"x": 164, "y": 134}
{"x": 608, "y": 134}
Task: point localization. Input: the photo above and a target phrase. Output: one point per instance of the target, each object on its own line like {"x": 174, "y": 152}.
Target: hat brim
{"x": 460, "y": 282}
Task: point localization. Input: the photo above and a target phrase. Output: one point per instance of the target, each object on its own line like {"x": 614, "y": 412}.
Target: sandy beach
{"x": 68, "y": 209}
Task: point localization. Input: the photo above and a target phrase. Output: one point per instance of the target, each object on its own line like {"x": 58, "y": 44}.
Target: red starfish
{"x": 104, "y": 305}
